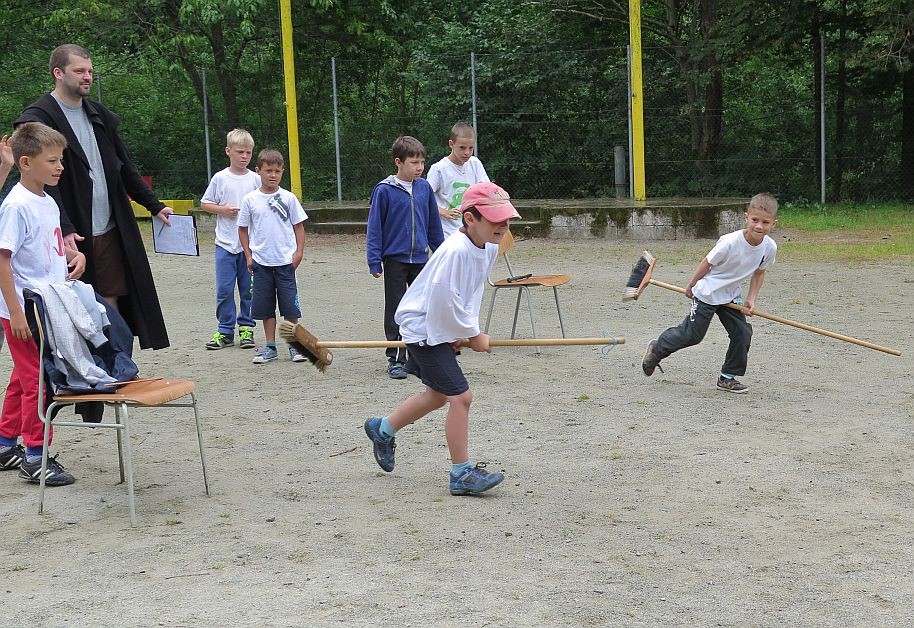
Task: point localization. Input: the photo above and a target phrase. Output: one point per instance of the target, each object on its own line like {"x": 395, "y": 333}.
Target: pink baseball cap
{"x": 491, "y": 201}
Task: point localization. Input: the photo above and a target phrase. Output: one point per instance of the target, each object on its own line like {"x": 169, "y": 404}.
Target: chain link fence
{"x": 551, "y": 124}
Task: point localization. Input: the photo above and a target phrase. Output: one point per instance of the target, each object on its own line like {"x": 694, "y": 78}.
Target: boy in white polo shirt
{"x": 273, "y": 238}
{"x": 223, "y": 198}
{"x": 439, "y": 309}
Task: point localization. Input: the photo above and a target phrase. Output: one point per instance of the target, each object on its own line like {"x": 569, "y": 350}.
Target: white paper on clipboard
{"x": 178, "y": 239}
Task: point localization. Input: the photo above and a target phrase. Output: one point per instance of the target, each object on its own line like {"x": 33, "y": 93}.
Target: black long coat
{"x": 140, "y": 308}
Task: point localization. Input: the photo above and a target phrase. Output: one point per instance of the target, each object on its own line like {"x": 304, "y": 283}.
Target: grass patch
{"x": 849, "y": 233}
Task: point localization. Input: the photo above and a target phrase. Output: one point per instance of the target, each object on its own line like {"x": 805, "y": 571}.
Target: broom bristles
{"x": 307, "y": 343}
{"x": 637, "y": 279}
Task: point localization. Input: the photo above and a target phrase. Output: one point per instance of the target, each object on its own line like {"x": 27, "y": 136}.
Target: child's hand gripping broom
{"x": 318, "y": 354}
{"x": 640, "y": 278}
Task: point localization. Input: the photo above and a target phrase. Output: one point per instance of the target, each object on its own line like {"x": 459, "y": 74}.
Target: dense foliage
{"x": 731, "y": 89}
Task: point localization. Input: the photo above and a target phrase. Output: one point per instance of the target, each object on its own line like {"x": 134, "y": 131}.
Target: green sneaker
{"x": 220, "y": 340}
{"x": 246, "y": 337}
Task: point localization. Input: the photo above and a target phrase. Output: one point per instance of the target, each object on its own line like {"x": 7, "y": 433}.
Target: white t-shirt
{"x": 442, "y": 304}
{"x": 30, "y": 230}
{"x": 270, "y": 219}
{"x": 449, "y": 181}
{"x": 732, "y": 260}
{"x": 228, "y": 188}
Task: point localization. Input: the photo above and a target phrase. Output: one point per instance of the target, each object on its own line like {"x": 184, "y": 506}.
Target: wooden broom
{"x": 640, "y": 278}
{"x": 317, "y": 351}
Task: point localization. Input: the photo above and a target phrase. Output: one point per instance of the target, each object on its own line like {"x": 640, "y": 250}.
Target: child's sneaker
{"x": 54, "y": 475}
{"x": 383, "y": 446}
{"x": 245, "y": 337}
{"x": 220, "y": 340}
{"x": 474, "y": 480}
{"x": 264, "y": 355}
{"x": 396, "y": 370}
{"x": 731, "y": 385}
{"x": 12, "y": 458}
{"x": 296, "y": 354}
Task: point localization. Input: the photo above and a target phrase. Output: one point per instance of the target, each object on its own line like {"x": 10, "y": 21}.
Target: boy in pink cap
{"x": 439, "y": 309}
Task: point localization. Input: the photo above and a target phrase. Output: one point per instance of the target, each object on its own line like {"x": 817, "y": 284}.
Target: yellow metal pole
{"x": 634, "y": 29}
{"x": 288, "y": 71}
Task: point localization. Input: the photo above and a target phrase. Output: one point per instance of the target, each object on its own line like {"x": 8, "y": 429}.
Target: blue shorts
{"x": 272, "y": 284}
{"x": 437, "y": 367}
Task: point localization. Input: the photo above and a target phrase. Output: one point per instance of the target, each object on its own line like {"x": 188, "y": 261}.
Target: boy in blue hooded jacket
{"x": 403, "y": 229}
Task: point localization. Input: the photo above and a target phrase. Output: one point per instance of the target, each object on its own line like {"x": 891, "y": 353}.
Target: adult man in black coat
{"x": 95, "y": 212}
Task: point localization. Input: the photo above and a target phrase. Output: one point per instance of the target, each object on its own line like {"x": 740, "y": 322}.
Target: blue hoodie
{"x": 402, "y": 226}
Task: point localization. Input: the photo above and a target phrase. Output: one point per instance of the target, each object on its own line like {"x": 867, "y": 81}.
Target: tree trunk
{"x": 714, "y": 87}
{"x": 816, "y": 36}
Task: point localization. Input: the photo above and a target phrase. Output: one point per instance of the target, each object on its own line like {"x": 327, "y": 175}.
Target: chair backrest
{"x": 506, "y": 244}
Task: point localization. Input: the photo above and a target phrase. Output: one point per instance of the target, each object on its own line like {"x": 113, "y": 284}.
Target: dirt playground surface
{"x": 627, "y": 501}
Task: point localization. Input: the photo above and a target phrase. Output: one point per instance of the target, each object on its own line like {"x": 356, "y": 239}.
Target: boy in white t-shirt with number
{"x": 223, "y": 198}
{"x": 737, "y": 256}
{"x": 273, "y": 238}
{"x": 32, "y": 253}
{"x": 452, "y": 175}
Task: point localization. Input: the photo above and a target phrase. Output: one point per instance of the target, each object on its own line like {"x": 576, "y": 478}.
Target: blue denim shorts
{"x": 437, "y": 367}
{"x": 274, "y": 284}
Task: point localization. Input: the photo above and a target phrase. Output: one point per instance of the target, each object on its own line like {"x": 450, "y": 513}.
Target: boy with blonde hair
{"x": 273, "y": 239}
{"x": 737, "y": 256}
{"x": 223, "y": 198}
{"x": 452, "y": 175}
{"x": 440, "y": 309}
{"x": 32, "y": 253}
{"x": 403, "y": 227}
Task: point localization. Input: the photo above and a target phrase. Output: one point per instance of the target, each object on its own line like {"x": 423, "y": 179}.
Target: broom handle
{"x": 515, "y": 342}
{"x": 787, "y": 321}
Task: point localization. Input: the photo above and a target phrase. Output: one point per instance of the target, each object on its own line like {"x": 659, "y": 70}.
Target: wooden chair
{"x": 522, "y": 283}
{"x": 143, "y": 393}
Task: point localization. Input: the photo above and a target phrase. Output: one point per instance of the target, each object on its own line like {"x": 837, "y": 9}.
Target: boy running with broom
{"x": 439, "y": 309}
{"x": 737, "y": 256}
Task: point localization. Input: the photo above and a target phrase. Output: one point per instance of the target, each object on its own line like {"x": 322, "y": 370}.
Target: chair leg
{"x": 532, "y": 317}
{"x": 558, "y": 308}
{"x": 128, "y": 460}
{"x": 120, "y": 445}
{"x": 193, "y": 398}
{"x": 44, "y": 462}
{"x": 516, "y": 310}
{"x": 491, "y": 308}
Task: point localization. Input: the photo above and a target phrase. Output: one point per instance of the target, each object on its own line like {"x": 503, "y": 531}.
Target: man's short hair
{"x": 31, "y": 138}
{"x": 407, "y": 146}
{"x": 60, "y": 58}
{"x": 239, "y": 137}
{"x": 462, "y": 129}
{"x": 270, "y": 156}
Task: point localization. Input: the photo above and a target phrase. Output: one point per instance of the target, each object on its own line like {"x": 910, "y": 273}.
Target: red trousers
{"x": 20, "y": 403}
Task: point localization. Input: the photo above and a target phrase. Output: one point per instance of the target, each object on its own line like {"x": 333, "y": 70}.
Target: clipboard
{"x": 178, "y": 239}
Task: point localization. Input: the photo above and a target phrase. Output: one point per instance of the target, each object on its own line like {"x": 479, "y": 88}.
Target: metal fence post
{"x": 473, "y": 96}
{"x": 336, "y": 134}
{"x": 209, "y": 166}
{"x": 631, "y": 162}
{"x": 822, "y": 118}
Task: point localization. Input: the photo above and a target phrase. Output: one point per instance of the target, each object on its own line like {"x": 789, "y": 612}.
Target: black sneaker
{"x": 246, "y": 337}
{"x": 12, "y": 458}
{"x": 220, "y": 340}
{"x": 55, "y": 475}
{"x": 650, "y": 362}
{"x": 731, "y": 385}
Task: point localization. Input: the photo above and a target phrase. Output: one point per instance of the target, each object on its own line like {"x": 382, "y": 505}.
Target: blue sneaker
{"x": 396, "y": 370}
{"x": 383, "y": 446}
{"x": 474, "y": 480}
{"x": 264, "y": 355}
